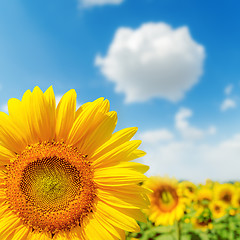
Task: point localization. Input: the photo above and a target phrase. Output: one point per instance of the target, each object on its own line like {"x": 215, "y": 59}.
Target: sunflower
{"x": 64, "y": 173}
{"x": 224, "y": 192}
{"x": 218, "y": 209}
{"x": 167, "y": 205}
{"x": 204, "y": 196}
{"x": 188, "y": 190}
{"x": 202, "y": 219}
{"x": 203, "y": 224}
{"x": 236, "y": 198}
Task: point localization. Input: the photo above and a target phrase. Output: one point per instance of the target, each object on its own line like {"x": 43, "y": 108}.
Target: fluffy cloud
{"x": 228, "y": 103}
{"x": 156, "y": 136}
{"x": 192, "y": 160}
{"x": 154, "y": 60}
{"x": 91, "y": 3}
{"x": 195, "y": 162}
{"x": 187, "y": 131}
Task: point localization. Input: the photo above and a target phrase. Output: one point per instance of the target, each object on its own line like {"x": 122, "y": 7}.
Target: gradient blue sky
{"x": 56, "y": 43}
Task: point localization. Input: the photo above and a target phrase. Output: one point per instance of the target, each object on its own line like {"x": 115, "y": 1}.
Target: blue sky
{"x": 169, "y": 67}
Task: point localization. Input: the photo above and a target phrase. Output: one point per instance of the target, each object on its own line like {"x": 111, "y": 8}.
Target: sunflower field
{"x": 183, "y": 210}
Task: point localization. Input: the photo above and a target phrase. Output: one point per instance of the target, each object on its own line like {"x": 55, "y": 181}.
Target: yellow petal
{"x": 116, "y": 139}
{"x": 39, "y": 236}
{"x": 5, "y": 156}
{"x": 142, "y": 168}
{"x": 116, "y": 155}
{"x": 104, "y": 108}
{"x": 37, "y": 110}
{"x": 119, "y": 233}
{"x": 11, "y": 136}
{"x": 50, "y": 98}
{"x": 132, "y": 201}
{"x": 8, "y": 224}
{"x": 21, "y": 233}
{"x": 133, "y": 213}
{"x": 75, "y": 233}
{"x": 94, "y": 230}
{"x": 115, "y": 176}
{"x": 99, "y": 135}
{"x": 136, "y": 154}
{"x": 127, "y": 189}
{"x": 117, "y": 218}
{"x": 17, "y": 114}
{"x": 86, "y": 121}
{"x": 65, "y": 114}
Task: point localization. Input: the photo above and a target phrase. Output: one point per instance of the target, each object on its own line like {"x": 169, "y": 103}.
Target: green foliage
{"x": 225, "y": 228}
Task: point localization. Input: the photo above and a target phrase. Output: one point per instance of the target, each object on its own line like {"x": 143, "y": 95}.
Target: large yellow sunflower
{"x": 64, "y": 173}
{"x": 167, "y": 205}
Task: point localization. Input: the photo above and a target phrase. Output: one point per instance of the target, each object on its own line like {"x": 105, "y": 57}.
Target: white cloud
{"x": 187, "y": 131}
{"x": 227, "y": 104}
{"x": 195, "y": 162}
{"x": 154, "y": 60}
{"x": 155, "y": 136}
{"x": 91, "y": 3}
{"x": 212, "y": 130}
{"x": 228, "y": 89}
{"x": 179, "y": 156}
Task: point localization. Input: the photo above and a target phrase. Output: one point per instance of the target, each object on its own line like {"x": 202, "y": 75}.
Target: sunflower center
{"x": 166, "y": 198}
{"x": 217, "y": 208}
{"x": 50, "y": 187}
{"x": 190, "y": 189}
{"x": 226, "y": 197}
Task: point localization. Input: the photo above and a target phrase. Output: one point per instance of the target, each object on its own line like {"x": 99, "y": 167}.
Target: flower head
{"x": 64, "y": 173}
{"x": 167, "y": 204}
{"x": 218, "y": 209}
{"x": 224, "y": 192}
{"x": 188, "y": 190}
{"x": 204, "y": 196}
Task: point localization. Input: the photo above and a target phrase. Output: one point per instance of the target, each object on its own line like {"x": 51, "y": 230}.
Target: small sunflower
{"x": 236, "y": 198}
{"x": 167, "y": 205}
{"x": 218, "y": 209}
{"x": 204, "y": 196}
{"x": 64, "y": 173}
{"x": 204, "y": 224}
{"x": 224, "y": 192}
{"x": 188, "y": 190}
{"x": 202, "y": 219}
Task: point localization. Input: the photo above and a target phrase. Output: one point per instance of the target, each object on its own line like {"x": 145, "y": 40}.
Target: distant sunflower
{"x": 188, "y": 190}
{"x": 218, "y": 209}
{"x": 167, "y": 205}
{"x": 204, "y": 196}
{"x": 236, "y": 198}
{"x": 224, "y": 192}
{"x": 202, "y": 219}
{"x": 64, "y": 174}
{"x": 202, "y": 224}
